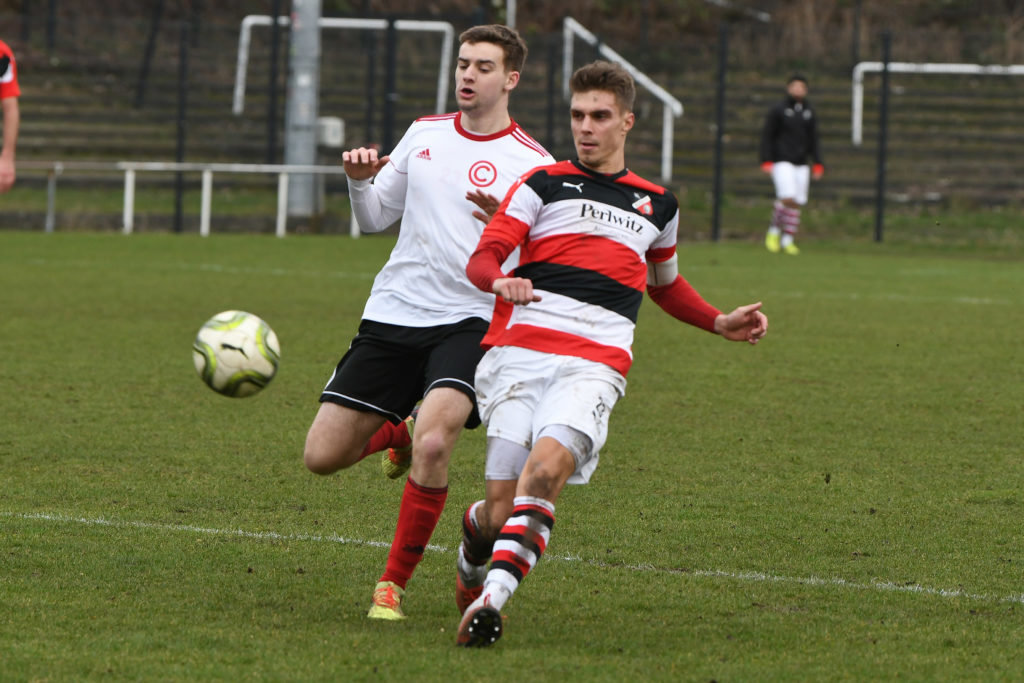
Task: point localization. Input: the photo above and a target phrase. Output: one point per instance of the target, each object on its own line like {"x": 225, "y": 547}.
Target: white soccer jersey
{"x": 431, "y": 169}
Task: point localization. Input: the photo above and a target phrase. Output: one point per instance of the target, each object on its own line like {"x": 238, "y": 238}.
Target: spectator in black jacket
{"x": 789, "y": 143}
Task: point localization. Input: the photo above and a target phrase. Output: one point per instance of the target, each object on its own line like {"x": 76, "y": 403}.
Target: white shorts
{"x": 521, "y": 391}
{"x": 791, "y": 181}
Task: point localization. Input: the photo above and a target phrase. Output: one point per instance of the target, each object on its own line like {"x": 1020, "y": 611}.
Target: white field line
{"x": 743, "y": 577}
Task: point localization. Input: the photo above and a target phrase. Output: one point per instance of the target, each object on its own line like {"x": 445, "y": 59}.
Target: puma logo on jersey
{"x": 424, "y": 154}
{"x": 576, "y": 186}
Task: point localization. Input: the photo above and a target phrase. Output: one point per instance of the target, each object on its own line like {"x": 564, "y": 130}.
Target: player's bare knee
{"x": 541, "y": 480}
{"x": 317, "y": 462}
{"x": 431, "y": 449}
{"x": 321, "y": 458}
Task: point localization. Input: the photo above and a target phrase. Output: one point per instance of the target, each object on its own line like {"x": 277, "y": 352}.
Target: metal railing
{"x": 915, "y": 68}
{"x": 673, "y": 107}
{"x": 447, "y": 43}
{"x": 131, "y": 168}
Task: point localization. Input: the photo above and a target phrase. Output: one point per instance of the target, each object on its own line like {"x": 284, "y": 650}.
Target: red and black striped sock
{"x": 520, "y": 544}
{"x": 476, "y": 547}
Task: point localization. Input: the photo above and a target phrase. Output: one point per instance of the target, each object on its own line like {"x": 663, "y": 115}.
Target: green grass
{"x": 841, "y": 502}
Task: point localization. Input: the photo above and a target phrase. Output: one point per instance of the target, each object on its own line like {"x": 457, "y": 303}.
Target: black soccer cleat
{"x": 480, "y": 627}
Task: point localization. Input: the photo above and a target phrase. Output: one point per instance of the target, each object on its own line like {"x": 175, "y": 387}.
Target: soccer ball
{"x": 236, "y": 353}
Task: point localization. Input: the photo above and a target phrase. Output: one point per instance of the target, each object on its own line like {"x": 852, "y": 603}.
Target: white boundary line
{"x": 747, "y": 577}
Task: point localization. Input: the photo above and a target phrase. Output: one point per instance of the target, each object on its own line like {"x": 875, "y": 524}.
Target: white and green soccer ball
{"x": 236, "y": 353}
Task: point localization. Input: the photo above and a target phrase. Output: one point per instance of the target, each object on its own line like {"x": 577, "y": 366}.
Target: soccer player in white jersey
{"x": 789, "y": 140}
{"x": 419, "y": 338}
{"x": 592, "y": 235}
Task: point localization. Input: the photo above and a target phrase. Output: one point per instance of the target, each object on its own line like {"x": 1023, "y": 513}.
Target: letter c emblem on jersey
{"x": 483, "y": 174}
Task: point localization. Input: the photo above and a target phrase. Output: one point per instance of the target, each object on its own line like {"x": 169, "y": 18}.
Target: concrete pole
{"x": 302, "y": 108}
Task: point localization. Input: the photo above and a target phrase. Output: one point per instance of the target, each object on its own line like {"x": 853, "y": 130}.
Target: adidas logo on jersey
{"x": 424, "y": 154}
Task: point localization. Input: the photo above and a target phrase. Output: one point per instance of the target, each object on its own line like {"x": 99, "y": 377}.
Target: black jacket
{"x": 791, "y": 133}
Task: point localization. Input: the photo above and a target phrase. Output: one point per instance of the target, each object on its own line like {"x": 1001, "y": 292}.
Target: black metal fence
{"x": 109, "y": 88}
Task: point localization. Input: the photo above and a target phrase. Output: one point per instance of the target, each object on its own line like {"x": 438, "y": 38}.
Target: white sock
{"x": 472, "y": 574}
{"x": 774, "y": 230}
{"x": 495, "y": 594}
{"x": 787, "y": 239}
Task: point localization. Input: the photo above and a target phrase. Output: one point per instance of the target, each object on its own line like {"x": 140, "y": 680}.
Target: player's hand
{"x": 362, "y": 163}
{"x": 488, "y": 204}
{"x": 516, "y": 290}
{"x": 746, "y": 323}
{"x": 817, "y": 171}
{"x": 766, "y": 167}
{"x": 6, "y": 175}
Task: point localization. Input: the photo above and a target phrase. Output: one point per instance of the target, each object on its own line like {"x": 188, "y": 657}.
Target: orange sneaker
{"x": 466, "y": 595}
{"x": 387, "y": 602}
{"x": 396, "y": 461}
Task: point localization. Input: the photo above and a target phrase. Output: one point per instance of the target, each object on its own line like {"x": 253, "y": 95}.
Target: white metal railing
{"x": 916, "y": 68}
{"x": 54, "y": 169}
{"x": 447, "y": 43}
{"x": 131, "y": 168}
{"x": 673, "y": 107}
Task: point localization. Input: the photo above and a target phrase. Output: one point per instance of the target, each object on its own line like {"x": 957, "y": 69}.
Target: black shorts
{"x": 389, "y": 368}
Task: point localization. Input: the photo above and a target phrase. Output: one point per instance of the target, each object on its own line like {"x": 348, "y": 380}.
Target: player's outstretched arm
{"x": 12, "y": 120}
{"x": 361, "y": 166}
{"x": 746, "y": 323}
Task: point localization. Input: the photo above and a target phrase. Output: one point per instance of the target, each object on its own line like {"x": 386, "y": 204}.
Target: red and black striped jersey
{"x": 585, "y": 239}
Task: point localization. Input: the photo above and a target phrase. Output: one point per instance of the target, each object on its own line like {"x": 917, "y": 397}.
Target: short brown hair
{"x": 606, "y": 76}
{"x": 508, "y": 39}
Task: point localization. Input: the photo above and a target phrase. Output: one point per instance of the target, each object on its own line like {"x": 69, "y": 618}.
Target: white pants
{"x": 791, "y": 181}
{"x": 521, "y": 391}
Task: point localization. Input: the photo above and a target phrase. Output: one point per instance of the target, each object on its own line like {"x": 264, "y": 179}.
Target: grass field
{"x": 841, "y": 502}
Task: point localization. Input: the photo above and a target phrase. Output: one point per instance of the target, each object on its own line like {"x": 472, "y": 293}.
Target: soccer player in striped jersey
{"x": 592, "y": 235}
{"x": 789, "y": 139}
{"x": 419, "y": 338}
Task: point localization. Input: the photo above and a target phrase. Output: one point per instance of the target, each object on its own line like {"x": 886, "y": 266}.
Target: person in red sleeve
{"x": 9, "y": 93}
{"x": 789, "y": 140}
{"x": 592, "y": 237}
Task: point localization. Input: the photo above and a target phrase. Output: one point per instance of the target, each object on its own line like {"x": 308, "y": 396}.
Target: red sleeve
{"x": 500, "y": 238}
{"x": 484, "y": 266}
{"x": 8, "y": 73}
{"x": 680, "y": 300}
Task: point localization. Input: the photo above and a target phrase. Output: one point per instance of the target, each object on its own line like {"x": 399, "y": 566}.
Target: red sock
{"x": 388, "y": 436}
{"x": 417, "y": 517}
